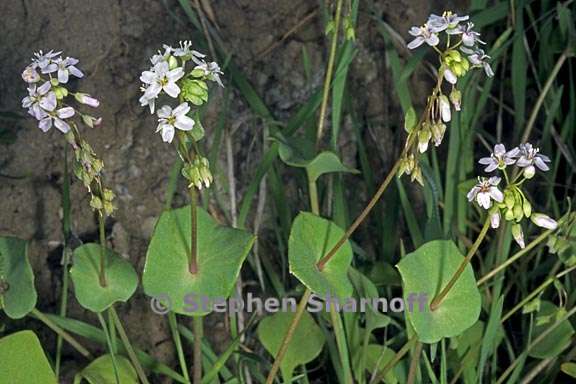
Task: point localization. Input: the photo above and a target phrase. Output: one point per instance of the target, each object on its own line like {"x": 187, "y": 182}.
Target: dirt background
{"x": 113, "y": 41}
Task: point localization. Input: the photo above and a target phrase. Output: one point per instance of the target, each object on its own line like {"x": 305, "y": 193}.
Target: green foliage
{"x": 101, "y": 371}
{"x": 556, "y": 341}
{"x": 17, "y": 292}
{"x": 306, "y": 344}
{"x": 121, "y": 279}
{"x": 311, "y": 238}
{"x": 23, "y": 361}
{"x": 427, "y": 270}
{"x": 221, "y": 252}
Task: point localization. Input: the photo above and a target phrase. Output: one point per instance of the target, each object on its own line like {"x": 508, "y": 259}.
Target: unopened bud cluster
{"x": 563, "y": 241}
{"x": 458, "y": 49}
{"x": 511, "y": 203}
{"x": 198, "y": 173}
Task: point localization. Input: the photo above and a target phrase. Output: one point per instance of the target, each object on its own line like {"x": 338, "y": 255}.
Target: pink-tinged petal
{"x": 63, "y": 76}
{"x": 541, "y": 164}
{"x": 416, "y": 42}
{"x": 61, "y": 125}
{"x": 184, "y": 123}
{"x": 182, "y": 109}
{"x": 468, "y": 39}
{"x": 495, "y": 219}
{"x": 45, "y": 124}
{"x": 75, "y": 71}
{"x": 491, "y": 167}
{"x": 171, "y": 89}
{"x": 544, "y": 221}
{"x": 433, "y": 40}
{"x": 494, "y": 180}
{"x": 164, "y": 112}
{"x": 483, "y": 200}
{"x": 415, "y": 31}
{"x": 496, "y": 194}
{"x": 147, "y": 77}
{"x": 65, "y": 113}
{"x": 49, "y": 101}
{"x": 485, "y": 161}
{"x": 26, "y": 102}
{"x": 472, "y": 193}
{"x": 44, "y": 88}
{"x": 168, "y": 134}
{"x": 523, "y": 162}
{"x": 52, "y": 67}
{"x": 499, "y": 149}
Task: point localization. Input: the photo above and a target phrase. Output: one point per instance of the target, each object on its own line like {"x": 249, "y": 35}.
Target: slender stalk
{"x": 60, "y": 332}
{"x": 128, "y": 346}
{"x": 110, "y": 346}
{"x": 322, "y": 262}
{"x": 399, "y": 355}
{"x": 414, "y": 364}
{"x": 193, "y": 260}
{"x": 313, "y": 192}
{"x": 173, "y": 323}
{"x": 198, "y": 330}
{"x": 341, "y": 343}
{"x": 288, "y": 336}
{"x": 102, "y": 232}
{"x": 442, "y": 295}
{"x": 329, "y": 71}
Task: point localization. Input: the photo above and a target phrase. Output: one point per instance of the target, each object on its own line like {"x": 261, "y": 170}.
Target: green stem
{"x": 392, "y": 363}
{"x": 288, "y": 336}
{"x": 442, "y": 295}
{"x": 193, "y": 261}
{"x": 110, "y": 345}
{"x": 128, "y": 346}
{"x": 341, "y": 343}
{"x": 173, "y": 322}
{"x": 102, "y": 273}
{"x": 60, "y": 332}
{"x": 322, "y": 262}
{"x": 329, "y": 71}
{"x": 198, "y": 329}
{"x": 313, "y": 192}
{"x": 414, "y": 364}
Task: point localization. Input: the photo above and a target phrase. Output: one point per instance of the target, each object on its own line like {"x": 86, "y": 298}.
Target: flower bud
{"x": 527, "y": 208}
{"x": 529, "y": 172}
{"x": 30, "y": 75}
{"x": 438, "y": 131}
{"x": 445, "y": 111}
{"x": 456, "y": 98}
{"x": 96, "y": 203}
{"x": 172, "y": 62}
{"x": 424, "y": 136}
{"x": 495, "y": 219}
{"x": 518, "y": 235}
{"x": 91, "y": 121}
{"x": 54, "y": 81}
{"x": 86, "y": 99}
{"x": 60, "y": 92}
{"x": 509, "y": 215}
{"x": 518, "y": 212}
{"x": 544, "y": 221}
{"x": 509, "y": 199}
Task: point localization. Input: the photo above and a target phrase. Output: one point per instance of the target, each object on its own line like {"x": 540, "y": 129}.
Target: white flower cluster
{"x": 47, "y": 76}
{"x": 168, "y": 76}
{"x": 511, "y": 203}
{"x": 467, "y": 42}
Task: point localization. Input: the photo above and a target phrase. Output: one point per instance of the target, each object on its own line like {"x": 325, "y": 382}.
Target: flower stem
{"x": 288, "y": 336}
{"x": 313, "y": 192}
{"x": 322, "y": 262}
{"x": 329, "y": 71}
{"x": 128, "y": 346}
{"x": 173, "y": 323}
{"x": 102, "y": 273}
{"x": 60, "y": 332}
{"x": 198, "y": 329}
{"x": 442, "y": 295}
{"x": 399, "y": 355}
{"x": 193, "y": 259}
{"x": 110, "y": 346}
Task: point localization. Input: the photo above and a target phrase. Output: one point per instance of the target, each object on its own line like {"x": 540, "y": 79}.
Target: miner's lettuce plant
{"x": 192, "y": 250}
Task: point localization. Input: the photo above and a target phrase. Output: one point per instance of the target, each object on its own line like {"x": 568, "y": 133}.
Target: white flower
{"x": 530, "y": 157}
{"x": 211, "y": 71}
{"x": 159, "y": 57}
{"x": 485, "y": 191}
{"x": 448, "y": 21}
{"x": 30, "y": 75}
{"x": 170, "y": 119}
{"x": 469, "y": 36}
{"x": 423, "y": 34}
{"x": 42, "y": 60}
{"x": 57, "y": 117}
{"x": 495, "y": 219}
{"x": 479, "y": 59}
{"x": 161, "y": 78}
{"x": 40, "y": 100}
{"x": 499, "y": 158}
{"x": 86, "y": 99}
{"x": 544, "y": 221}
{"x": 445, "y": 110}
{"x": 518, "y": 235}
{"x": 65, "y": 68}
{"x": 186, "y": 52}
{"x": 147, "y": 101}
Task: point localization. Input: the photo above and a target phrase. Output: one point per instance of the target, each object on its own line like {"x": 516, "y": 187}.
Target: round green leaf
{"x": 307, "y": 341}
{"x": 426, "y": 271}
{"x": 101, "y": 371}
{"x": 22, "y": 360}
{"x": 557, "y": 340}
{"x": 377, "y": 356}
{"x": 311, "y": 237}
{"x": 221, "y": 252}
{"x": 326, "y": 162}
{"x": 17, "y": 292}
{"x": 121, "y": 278}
